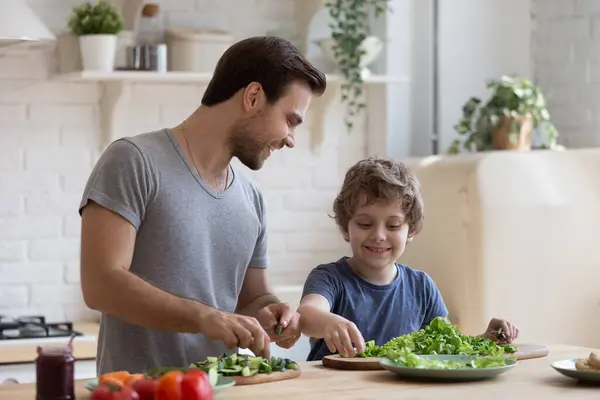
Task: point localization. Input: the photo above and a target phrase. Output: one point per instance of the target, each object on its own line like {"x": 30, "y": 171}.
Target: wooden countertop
{"x": 26, "y": 353}
{"x": 530, "y": 379}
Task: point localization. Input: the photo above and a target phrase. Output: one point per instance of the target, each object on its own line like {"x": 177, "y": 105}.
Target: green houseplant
{"x": 350, "y": 28}
{"x": 506, "y": 121}
{"x": 97, "y": 25}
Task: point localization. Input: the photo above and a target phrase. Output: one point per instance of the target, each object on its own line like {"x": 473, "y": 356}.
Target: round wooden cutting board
{"x": 352, "y": 363}
{"x": 527, "y": 351}
{"x": 265, "y": 378}
{"x": 524, "y": 352}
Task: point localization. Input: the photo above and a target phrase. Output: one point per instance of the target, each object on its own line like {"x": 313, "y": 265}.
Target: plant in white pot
{"x": 97, "y": 25}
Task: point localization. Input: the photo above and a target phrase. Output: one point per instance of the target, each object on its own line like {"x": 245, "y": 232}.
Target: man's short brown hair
{"x": 375, "y": 179}
{"x": 269, "y": 60}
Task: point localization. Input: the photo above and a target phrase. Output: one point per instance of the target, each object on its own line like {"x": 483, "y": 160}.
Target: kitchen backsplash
{"x": 49, "y": 141}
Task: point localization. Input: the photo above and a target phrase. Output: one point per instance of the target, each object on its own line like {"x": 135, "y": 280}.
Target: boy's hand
{"x": 340, "y": 335}
{"x": 501, "y": 331}
{"x": 280, "y": 313}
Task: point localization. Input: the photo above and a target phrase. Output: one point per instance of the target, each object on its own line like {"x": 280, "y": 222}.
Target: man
{"x": 174, "y": 241}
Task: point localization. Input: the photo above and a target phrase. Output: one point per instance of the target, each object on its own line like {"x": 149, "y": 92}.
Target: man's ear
{"x": 253, "y": 97}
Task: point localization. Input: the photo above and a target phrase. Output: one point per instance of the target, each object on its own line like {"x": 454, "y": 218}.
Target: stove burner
{"x": 29, "y": 327}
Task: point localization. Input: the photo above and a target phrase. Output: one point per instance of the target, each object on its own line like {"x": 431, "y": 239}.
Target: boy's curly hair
{"x": 376, "y": 179}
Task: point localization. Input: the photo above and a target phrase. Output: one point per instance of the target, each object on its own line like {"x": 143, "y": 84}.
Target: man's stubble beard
{"x": 245, "y": 147}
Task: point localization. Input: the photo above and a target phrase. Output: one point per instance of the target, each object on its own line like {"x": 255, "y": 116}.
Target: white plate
{"x": 461, "y": 374}
{"x": 567, "y": 368}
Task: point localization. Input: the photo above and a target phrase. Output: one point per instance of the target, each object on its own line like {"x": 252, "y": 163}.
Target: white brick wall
{"x": 49, "y": 134}
{"x": 566, "y": 51}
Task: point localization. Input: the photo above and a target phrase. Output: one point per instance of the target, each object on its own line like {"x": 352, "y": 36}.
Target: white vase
{"x": 98, "y": 52}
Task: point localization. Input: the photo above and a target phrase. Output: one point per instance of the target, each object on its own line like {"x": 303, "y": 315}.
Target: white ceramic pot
{"x": 98, "y": 52}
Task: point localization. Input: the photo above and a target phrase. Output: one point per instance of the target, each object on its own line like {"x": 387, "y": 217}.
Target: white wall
{"x": 395, "y": 28}
{"x": 566, "y": 51}
{"x": 478, "y": 40}
{"x": 49, "y": 134}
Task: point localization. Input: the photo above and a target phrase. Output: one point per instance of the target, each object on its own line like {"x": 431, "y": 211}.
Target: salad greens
{"x": 411, "y": 360}
{"x": 439, "y": 337}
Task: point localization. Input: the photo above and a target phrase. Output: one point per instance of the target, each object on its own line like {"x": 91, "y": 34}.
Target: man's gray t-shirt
{"x": 191, "y": 242}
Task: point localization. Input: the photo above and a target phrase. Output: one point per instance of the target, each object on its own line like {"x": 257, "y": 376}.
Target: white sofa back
{"x": 514, "y": 235}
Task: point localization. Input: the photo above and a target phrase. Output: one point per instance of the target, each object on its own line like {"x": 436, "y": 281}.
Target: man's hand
{"x": 501, "y": 331}
{"x": 237, "y": 330}
{"x": 280, "y": 313}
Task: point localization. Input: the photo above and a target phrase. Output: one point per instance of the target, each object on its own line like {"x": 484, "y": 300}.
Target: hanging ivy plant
{"x": 350, "y": 27}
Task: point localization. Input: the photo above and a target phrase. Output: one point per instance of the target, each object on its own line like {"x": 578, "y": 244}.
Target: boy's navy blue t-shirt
{"x": 381, "y": 313}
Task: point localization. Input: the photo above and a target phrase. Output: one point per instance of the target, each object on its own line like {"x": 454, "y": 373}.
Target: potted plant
{"x": 507, "y": 120}
{"x": 97, "y": 25}
{"x": 353, "y": 47}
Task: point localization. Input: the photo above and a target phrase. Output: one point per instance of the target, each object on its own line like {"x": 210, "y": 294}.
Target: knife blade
{"x": 278, "y": 329}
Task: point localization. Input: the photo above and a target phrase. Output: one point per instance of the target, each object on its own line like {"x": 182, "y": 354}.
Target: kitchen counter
{"x": 530, "y": 379}
{"x": 11, "y": 353}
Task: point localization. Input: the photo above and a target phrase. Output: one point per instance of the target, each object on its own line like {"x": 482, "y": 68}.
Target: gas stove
{"x": 34, "y": 327}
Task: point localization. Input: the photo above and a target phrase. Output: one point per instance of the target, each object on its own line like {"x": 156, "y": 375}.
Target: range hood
{"x": 18, "y": 23}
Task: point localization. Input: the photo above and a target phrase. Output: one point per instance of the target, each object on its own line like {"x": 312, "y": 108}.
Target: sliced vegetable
{"x": 130, "y": 379}
{"x": 213, "y": 376}
{"x": 114, "y": 377}
{"x": 243, "y": 365}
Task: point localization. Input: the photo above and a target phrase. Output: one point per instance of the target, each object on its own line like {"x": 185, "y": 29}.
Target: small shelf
{"x": 117, "y": 88}
{"x": 184, "y": 77}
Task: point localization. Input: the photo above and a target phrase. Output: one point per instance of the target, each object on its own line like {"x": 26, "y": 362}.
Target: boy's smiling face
{"x": 378, "y": 234}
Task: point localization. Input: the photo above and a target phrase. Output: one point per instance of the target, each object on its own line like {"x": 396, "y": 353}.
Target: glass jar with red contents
{"x": 55, "y": 370}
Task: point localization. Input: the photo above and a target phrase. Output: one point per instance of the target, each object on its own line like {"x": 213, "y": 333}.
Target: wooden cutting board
{"x": 524, "y": 352}
{"x": 266, "y": 378}
{"x": 354, "y": 363}
{"x": 527, "y": 351}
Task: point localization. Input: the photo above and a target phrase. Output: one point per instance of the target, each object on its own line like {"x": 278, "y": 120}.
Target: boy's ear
{"x": 346, "y": 236}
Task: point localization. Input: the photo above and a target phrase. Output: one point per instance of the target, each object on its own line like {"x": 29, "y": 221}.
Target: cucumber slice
{"x": 241, "y": 365}
{"x": 292, "y": 365}
{"x": 233, "y": 370}
{"x": 213, "y": 376}
{"x": 265, "y": 367}
{"x": 254, "y": 362}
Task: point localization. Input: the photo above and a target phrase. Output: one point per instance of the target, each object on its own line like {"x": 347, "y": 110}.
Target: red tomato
{"x": 169, "y": 386}
{"x": 146, "y": 388}
{"x": 195, "y": 385}
{"x": 114, "y": 392}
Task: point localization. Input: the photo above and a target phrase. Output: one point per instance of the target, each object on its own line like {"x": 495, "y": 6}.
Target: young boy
{"x": 369, "y": 295}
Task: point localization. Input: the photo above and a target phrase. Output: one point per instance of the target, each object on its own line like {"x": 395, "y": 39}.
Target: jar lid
{"x": 150, "y": 9}
{"x": 54, "y": 350}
